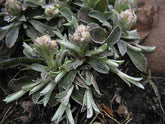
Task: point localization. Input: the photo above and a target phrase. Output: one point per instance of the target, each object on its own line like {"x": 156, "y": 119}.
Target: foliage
{"x": 89, "y": 35}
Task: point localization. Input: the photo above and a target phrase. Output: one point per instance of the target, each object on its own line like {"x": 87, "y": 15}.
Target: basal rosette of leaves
{"x": 93, "y": 36}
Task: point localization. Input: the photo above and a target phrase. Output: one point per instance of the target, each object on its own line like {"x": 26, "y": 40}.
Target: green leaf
{"x": 40, "y": 27}
{"x": 83, "y": 15}
{"x": 102, "y": 5}
{"x": 77, "y": 63}
{"x": 131, "y": 35}
{"x": 94, "y": 83}
{"x": 29, "y": 86}
{"x": 98, "y": 35}
{"x": 89, "y": 104}
{"x": 114, "y": 36}
{"x": 60, "y": 111}
{"x": 146, "y": 48}
{"x": 66, "y": 99}
{"x": 60, "y": 76}
{"x": 91, "y": 3}
{"x": 67, "y": 13}
{"x": 68, "y": 79}
{"x": 28, "y": 51}
{"x": 48, "y": 88}
{"x": 77, "y": 96}
{"x": 31, "y": 32}
{"x": 99, "y": 65}
{"x": 100, "y": 17}
{"x": 3, "y": 33}
{"x": 38, "y": 87}
{"x": 96, "y": 51}
{"x": 39, "y": 67}
{"x": 138, "y": 59}
{"x": 69, "y": 115}
{"x": 122, "y": 47}
{"x": 12, "y": 36}
{"x": 69, "y": 45}
{"x": 14, "y": 96}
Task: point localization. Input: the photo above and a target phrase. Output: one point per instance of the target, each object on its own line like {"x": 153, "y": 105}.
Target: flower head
{"x": 81, "y": 34}
{"x": 46, "y": 40}
{"x": 13, "y": 7}
{"x": 51, "y": 11}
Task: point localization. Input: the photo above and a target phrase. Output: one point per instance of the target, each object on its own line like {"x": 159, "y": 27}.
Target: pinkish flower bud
{"x": 51, "y": 11}
{"x": 13, "y": 7}
{"x": 81, "y": 34}
{"x": 47, "y": 41}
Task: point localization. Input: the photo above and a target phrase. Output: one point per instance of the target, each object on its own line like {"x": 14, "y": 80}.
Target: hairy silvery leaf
{"x": 114, "y": 36}
{"x": 60, "y": 111}
{"x": 69, "y": 114}
{"x": 83, "y": 15}
{"x": 67, "y": 13}
{"x": 77, "y": 96}
{"x": 31, "y": 32}
{"x": 100, "y": 17}
{"x": 89, "y": 104}
{"x": 134, "y": 48}
{"x": 138, "y": 59}
{"x": 102, "y": 5}
{"x": 14, "y": 96}
{"x": 3, "y": 33}
{"x": 94, "y": 83}
{"x": 99, "y": 65}
{"x": 131, "y": 35}
{"x": 28, "y": 51}
{"x": 91, "y": 3}
{"x": 12, "y": 36}
{"x": 39, "y": 67}
{"x": 97, "y": 50}
{"x": 65, "y": 100}
{"x": 146, "y": 48}
{"x": 98, "y": 35}
{"x": 38, "y": 87}
{"x": 122, "y": 47}
{"x": 68, "y": 79}
{"x": 42, "y": 28}
{"x": 50, "y": 87}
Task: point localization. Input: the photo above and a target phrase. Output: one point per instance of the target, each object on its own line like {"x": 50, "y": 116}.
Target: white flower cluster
{"x": 47, "y": 41}
{"x": 81, "y": 34}
{"x": 129, "y": 14}
{"x": 13, "y": 7}
{"x": 51, "y": 11}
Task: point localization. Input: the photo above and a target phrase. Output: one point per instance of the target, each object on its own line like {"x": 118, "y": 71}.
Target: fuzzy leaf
{"x": 102, "y": 5}
{"x": 138, "y": 59}
{"x": 40, "y": 27}
{"x": 68, "y": 79}
{"x": 60, "y": 111}
{"x": 91, "y": 3}
{"x": 14, "y": 96}
{"x": 77, "y": 96}
{"x": 99, "y": 65}
{"x": 122, "y": 47}
{"x": 69, "y": 115}
{"x": 3, "y": 33}
{"x": 131, "y": 35}
{"x": 100, "y": 17}
{"x": 83, "y": 15}
{"x": 38, "y": 67}
{"x": 96, "y": 51}
{"x": 67, "y": 13}
{"x": 98, "y": 35}
{"x": 12, "y": 36}
{"x": 114, "y": 36}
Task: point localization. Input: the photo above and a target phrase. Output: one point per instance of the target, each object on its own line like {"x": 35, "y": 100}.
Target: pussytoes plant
{"x": 93, "y": 36}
